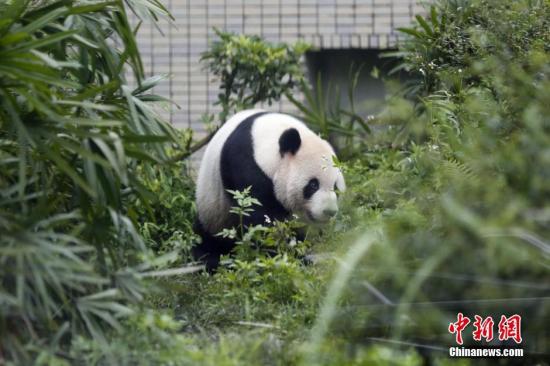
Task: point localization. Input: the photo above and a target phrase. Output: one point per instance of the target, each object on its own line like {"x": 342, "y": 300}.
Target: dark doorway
{"x": 335, "y": 66}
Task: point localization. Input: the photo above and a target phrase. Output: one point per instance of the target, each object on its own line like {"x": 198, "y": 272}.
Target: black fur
{"x": 311, "y": 187}
{"x": 239, "y": 170}
{"x": 290, "y": 141}
{"x": 211, "y": 247}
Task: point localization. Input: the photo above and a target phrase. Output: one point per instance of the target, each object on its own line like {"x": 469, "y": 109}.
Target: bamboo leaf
{"x": 412, "y": 32}
{"x": 65, "y": 167}
{"x": 39, "y": 43}
{"x": 424, "y": 25}
{"x": 42, "y": 21}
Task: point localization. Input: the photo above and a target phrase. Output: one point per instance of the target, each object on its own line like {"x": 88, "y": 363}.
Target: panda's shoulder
{"x": 270, "y": 126}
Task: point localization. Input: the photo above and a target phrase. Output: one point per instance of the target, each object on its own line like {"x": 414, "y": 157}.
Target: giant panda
{"x": 289, "y": 168}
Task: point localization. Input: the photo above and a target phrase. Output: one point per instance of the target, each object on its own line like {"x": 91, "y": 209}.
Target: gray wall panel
{"x": 327, "y": 24}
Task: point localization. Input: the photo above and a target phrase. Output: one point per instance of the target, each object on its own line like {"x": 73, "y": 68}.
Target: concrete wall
{"x": 327, "y": 24}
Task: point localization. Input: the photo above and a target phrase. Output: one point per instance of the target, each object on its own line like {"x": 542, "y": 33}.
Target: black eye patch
{"x": 311, "y": 187}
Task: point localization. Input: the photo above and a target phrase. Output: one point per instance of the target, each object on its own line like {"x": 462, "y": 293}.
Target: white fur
{"x": 289, "y": 173}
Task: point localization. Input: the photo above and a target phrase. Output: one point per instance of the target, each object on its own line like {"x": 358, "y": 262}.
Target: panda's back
{"x": 243, "y": 152}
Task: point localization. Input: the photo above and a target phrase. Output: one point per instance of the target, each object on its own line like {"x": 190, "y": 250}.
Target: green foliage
{"x": 72, "y": 132}
{"x": 457, "y": 34}
{"x": 266, "y": 264}
{"x": 252, "y": 71}
{"x": 457, "y": 181}
{"x": 166, "y": 220}
{"x": 450, "y": 198}
{"x": 257, "y": 241}
{"x": 149, "y": 337}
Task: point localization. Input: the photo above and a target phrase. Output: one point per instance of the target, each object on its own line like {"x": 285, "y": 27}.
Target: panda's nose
{"x": 330, "y": 212}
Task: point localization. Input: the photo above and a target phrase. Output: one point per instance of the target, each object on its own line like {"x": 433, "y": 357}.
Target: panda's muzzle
{"x": 327, "y": 215}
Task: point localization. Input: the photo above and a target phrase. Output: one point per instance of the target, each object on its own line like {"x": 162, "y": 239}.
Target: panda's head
{"x": 307, "y": 182}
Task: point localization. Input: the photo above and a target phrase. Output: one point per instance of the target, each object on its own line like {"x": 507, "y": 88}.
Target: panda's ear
{"x": 289, "y": 142}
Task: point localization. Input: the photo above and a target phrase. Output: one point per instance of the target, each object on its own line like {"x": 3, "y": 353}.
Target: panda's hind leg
{"x": 211, "y": 247}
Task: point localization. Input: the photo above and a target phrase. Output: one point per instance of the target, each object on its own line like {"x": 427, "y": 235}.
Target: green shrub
{"x": 165, "y": 221}
{"x": 251, "y": 70}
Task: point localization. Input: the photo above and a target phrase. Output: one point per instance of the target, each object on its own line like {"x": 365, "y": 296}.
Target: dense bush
{"x": 251, "y": 71}
{"x": 457, "y": 185}
{"x": 72, "y": 132}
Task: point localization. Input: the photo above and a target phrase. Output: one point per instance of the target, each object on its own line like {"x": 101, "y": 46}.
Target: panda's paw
{"x": 211, "y": 263}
